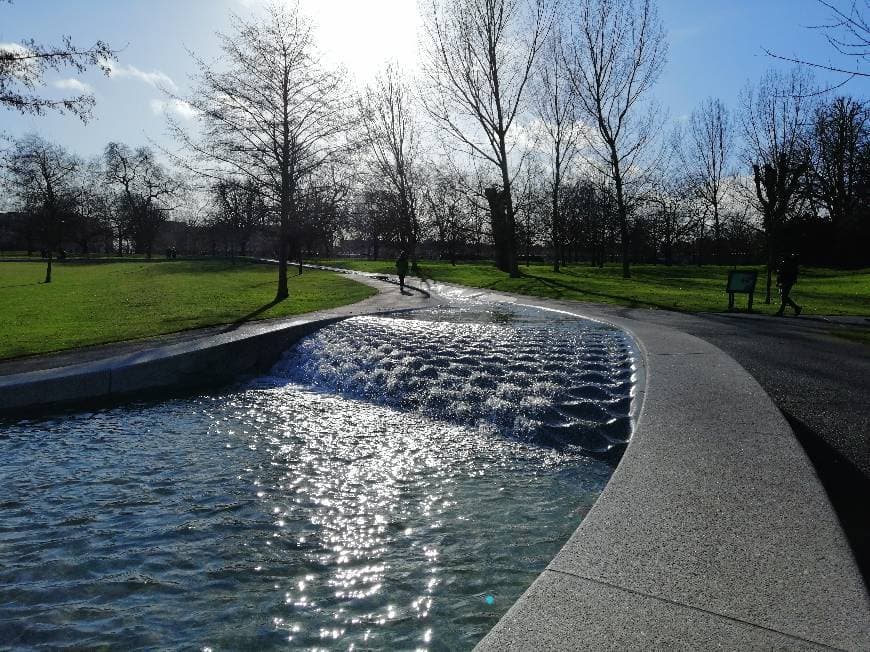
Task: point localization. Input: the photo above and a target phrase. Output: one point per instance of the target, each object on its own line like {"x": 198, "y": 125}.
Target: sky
{"x": 715, "y": 48}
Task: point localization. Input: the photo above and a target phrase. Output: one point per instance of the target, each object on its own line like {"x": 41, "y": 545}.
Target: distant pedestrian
{"x": 786, "y": 277}
{"x": 402, "y": 269}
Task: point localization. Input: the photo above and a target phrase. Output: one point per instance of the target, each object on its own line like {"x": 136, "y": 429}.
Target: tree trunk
{"x": 48, "y": 268}
{"x": 556, "y": 237}
{"x": 623, "y": 227}
{"x": 510, "y": 223}
{"x": 717, "y": 252}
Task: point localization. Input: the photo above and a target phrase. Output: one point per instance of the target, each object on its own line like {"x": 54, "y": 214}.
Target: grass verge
{"x": 94, "y": 304}
{"x": 687, "y": 288}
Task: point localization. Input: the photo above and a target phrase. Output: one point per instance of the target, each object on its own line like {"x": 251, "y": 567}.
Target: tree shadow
{"x": 241, "y": 321}
{"x": 633, "y": 302}
{"x": 21, "y": 285}
{"x": 847, "y": 487}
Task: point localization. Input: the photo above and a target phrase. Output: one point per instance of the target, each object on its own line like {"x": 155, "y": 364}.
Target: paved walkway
{"x": 820, "y": 382}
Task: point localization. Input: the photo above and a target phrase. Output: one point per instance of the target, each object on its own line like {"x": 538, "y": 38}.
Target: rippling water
{"x": 322, "y": 506}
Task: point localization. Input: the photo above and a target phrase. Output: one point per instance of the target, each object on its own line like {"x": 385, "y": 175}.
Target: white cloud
{"x": 179, "y": 107}
{"x": 72, "y": 84}
{"x": 155, "y": 78}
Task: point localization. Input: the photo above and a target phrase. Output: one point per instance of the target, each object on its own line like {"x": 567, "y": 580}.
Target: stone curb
{"x": 205, "y": 361}
{"x": 713, "y": 532}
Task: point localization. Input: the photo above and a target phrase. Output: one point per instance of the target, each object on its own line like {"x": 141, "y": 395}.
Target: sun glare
{"x": 362, "y": 36}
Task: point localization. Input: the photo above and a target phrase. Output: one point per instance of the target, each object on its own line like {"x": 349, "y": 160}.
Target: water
{"x": 313, "y": 508}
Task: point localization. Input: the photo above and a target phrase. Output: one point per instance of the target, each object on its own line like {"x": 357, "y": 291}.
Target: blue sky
{"x": 715, "y": 47}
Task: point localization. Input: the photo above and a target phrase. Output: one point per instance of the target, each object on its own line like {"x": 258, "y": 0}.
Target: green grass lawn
{"x": 109, "y": 302}
{"x": 687, "y": 288}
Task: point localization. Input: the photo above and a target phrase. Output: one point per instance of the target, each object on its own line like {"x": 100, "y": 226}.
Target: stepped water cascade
{"x": 394, "y": 482}
{"x": 558, "y": 382}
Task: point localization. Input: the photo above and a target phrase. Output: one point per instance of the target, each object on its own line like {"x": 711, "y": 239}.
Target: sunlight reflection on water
{"x": 279, "y": 514}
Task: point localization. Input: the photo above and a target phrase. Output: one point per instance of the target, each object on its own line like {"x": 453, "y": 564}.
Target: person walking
{"x": 402, "y": 269}
{"x": 786, "y": 277}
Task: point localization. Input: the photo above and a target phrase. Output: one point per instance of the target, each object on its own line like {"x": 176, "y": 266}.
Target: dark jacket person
{"x": 402, "y": 269}
{"x": 786, "y": 277}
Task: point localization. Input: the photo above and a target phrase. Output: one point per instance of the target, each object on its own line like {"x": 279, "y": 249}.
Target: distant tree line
{"x": 530, "y": 135}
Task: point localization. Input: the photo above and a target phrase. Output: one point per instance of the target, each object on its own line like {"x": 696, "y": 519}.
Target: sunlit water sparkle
{"x": 321, "y": 506}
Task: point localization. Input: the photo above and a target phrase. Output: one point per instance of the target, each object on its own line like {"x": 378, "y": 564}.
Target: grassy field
{"x": 687, "y": 288}
{"x": 109, "y": 302}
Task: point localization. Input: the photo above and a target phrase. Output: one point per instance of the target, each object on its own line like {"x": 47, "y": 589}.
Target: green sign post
{"x": 741, "y": 283}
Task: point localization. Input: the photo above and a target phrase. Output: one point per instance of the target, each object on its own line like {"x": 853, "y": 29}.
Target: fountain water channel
{"x": 394, "y": 482}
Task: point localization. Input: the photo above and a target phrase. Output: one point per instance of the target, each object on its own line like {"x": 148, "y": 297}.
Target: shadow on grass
{"x": 21, "y": 285}
{"x": 205, "y": 266}
{"x": 241, "y": 321}
{"x": 631, "y": 301}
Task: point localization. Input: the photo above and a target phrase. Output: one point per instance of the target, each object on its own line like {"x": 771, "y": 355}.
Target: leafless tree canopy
{"x": 269, "y": 112}
{"x": 705, "y": 148}
{"x": 840, "y": 142}
{"x": 145, "y": 191}
{"x": 618, "y": 51}
{"x": 392, "y": 138}
{"x": 530, "y": 133}
{"x": 774, "y": 124}
{"x": 480, "y": 57}
{"x": 42, "y": 174}
{"x": 22, "y": 72}
{"x": 848, "y": 33}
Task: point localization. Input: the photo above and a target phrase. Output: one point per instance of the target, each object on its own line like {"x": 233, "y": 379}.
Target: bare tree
{"x": 617, "y": 53}
{"x": 391, "y": 136}
{"x": 673, "y": 212}
{"x": 239, "y": 211}
{"x": 848, "y": 32}
{"x": 42, "y": 174}
{"x": 774, "y": 124}
{"x": 269, "y": 112}
{"x": 841, "y": 143}
{"x": 92, "y": 211}
{"x": 145, "y": 191}
{"x": 705, "y": 149}
{"x": 324, "y": 209}
{"x": 557, "y": 110}
{"x": 22, "y": 70}
{"x": 480, "y": 56}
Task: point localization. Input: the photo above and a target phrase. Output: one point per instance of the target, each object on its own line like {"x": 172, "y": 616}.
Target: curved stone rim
{"x": 712, "y": 532}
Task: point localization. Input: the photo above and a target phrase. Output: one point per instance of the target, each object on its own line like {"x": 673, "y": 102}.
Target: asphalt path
{"x": 819, "y": 381}
{"x": 813, "y": 376}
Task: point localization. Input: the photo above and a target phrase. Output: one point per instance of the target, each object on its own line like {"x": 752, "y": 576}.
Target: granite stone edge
{"x": 652, "y": 341}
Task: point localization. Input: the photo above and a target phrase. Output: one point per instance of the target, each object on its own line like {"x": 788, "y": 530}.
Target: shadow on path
{"x": 847, "y": 487}
{"x": 241, "y": 321}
